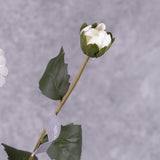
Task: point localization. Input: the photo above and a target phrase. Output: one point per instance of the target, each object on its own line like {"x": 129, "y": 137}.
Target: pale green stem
{"x": 72, "y": 86}
{"x": 38, "y": 143}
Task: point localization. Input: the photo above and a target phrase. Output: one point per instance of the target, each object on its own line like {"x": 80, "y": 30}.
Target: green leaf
{"x": 55, "y": 81}
{"x": 15, "y": 154}
{"x": 68, "y": 145}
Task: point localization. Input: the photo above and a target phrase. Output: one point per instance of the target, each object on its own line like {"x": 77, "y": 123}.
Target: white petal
{"x": 2, "y": 60}
{"x": 107, "y": 40}
{"x": 3, "y": 71}
{"x": 1, "y": 52}
{"x": 101, "y": 27}
{"x": 86, "y": 28}
{"x": 92, "y": 32}
{"x": 97, "y": 40}
{"x": 102, "y": 34}
{"x": 2, "y": 81}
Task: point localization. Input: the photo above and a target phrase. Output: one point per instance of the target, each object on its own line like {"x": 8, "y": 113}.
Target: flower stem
{"x": 62, "y": 103}
{"x": 72, "y": 86}
{"x": 38, "y": 143}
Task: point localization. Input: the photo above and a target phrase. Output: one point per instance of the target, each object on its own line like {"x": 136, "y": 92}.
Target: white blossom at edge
{"x": 3, "y": 68}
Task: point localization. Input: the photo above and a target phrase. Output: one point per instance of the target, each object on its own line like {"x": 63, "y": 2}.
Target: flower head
{"x": 3, "y": 68}
{"x": 95, "y": 41}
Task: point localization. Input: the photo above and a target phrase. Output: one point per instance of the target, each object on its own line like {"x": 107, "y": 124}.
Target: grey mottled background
{"x": 117, "y": 99}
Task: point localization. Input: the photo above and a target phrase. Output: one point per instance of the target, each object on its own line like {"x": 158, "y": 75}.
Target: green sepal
{"x": 83, "y": 43}
{"x": 101, "y": 52}
{"x": 94, "y": 25}
{"x": 16, "y": 154}
{"x": 83, "y": 26}
{"x": 68, "y": 145}
{"x": 105, "y": 49}
{"x": 112, "y": 38}
{"x": 92, "y": 50}
{"x": 55, "y": 81}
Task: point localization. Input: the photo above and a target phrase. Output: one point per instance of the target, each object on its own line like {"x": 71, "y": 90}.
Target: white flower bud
{"x": 97, "y": 36}
{"x": 95, "y": 41}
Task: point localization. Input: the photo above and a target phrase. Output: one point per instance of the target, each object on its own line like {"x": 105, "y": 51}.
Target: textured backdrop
{"x": 117, "y": 99}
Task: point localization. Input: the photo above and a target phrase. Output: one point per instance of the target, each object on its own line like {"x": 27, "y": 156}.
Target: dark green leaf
{"x": 15, "y": 154}
{"x": 55, "y": 80}
{"x": 68, "y": 145}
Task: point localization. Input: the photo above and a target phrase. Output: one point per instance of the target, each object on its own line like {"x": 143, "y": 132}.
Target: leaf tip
{"x": 3, "y": 144}
{"x": 62, "y": 50}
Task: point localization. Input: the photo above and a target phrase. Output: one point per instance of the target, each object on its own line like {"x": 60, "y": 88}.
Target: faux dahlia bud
{"x": 3, "y": 68}
{"x": 95, "y": 41}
